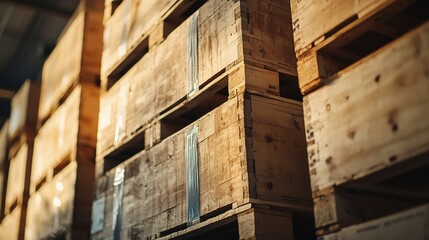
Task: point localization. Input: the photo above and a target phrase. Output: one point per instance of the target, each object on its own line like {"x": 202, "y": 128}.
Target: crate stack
{"x": 17, "y": 143}
{"x": 363, "y": 69}
{"x": 201, "y": 129}
{"x": 64, "y": 148}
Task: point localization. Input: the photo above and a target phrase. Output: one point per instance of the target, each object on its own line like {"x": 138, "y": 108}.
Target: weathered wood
{"x": 232, "y": 171}
{"x": 76, "y": 58}
{"x": 265, "y": 224}
{"x": 69, "y": 161}
{"x": 355, "y": 39}
{"x": 23, "y": 117}
{"x": 409, "y": 224}
{"x": 379, "y": 105}
{"x": 57, "y": 209}
{"x": 314, "y": 21}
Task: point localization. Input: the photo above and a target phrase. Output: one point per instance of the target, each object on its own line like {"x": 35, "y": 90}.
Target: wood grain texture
{"x": 64, "y": 68}
{"x": 313, "y": 20}
{"x": 232, "y": 170}
{"x": 378, "y": 105}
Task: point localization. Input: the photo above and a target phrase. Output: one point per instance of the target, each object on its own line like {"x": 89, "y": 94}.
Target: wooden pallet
{"x": 126, "y": 115}
{"x": 375, "y": 25}
{"x": 228, "y": 32}
{"x": 369, "y": 119}
{"x": 242, "y": 158}
{"x": 409, "y": 224}
{"x": 69, "y": 161}
{"x": 76, "y": 58}
{"x": 61, "y": 207}
{"x": 70, "y": 132}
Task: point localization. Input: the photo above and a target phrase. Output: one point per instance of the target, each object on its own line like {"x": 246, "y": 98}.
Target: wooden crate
{"x": 61, "y": 207}
{"x": 228, "y": 32}
{"x": 226, "y": 39}
{"x": 11, "y": 227}
{"x": 251, "y": 150}
{"x": 23, "y": 117}
{"x": 4, "y": 164}
{"x": 370, "y": 117}
{"x": 409, "y": 224}
{"x": 332, "y": 35}
{"x": 76, "y": 58}
{"x": 70, "y": 134}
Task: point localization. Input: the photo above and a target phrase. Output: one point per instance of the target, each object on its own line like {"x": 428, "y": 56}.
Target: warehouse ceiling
{"x": 29, "y": 30}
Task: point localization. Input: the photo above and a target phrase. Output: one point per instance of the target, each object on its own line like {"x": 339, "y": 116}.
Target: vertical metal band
{"x": 192, "y": 176}
{"x": 118, "y": 184}
{"x": 193, "y": 55}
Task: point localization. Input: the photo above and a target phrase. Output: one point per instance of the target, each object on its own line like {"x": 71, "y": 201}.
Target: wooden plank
{"x": 17, "y": 177}
{"x": 64, "y": 68}
{"x": 124, "y": 29}
{"x": 24, "y": 106}
{"x": 315, "y": 20}
{"x": 406, "y": 224}
{"x": 265, "y": 224}
{"x": 377, "y": 105}
{"x": 10, "y": 225}
{"x": 159, "y": 172}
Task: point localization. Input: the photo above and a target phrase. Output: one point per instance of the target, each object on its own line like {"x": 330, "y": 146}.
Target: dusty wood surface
{"x": 75, "y": 59}
{"x": 228, "y": 163}
{"x": 378, "y": 105}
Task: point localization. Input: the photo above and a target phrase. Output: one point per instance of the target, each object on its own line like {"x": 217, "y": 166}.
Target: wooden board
{"x": 231, "y": 171}
{"x": 131, "y": 20}
{"x": 409, "y": 224}
{"x": 370, "y": 117}
{"x": 24, "y": 106}
{"x": 75, "y": 59}
{"x": 314, "y": 21}
{"x": 16, "y": 188}
{"x": 10, "y": 225}
{"x": 70, "y": 132}
{"x": 228, "y": 32}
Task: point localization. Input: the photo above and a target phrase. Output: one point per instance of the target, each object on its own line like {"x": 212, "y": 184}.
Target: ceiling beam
{"x": 44, "y": 9}
{"x": 7, "y": 94}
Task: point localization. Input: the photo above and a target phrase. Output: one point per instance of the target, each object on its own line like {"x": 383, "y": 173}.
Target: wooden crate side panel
{"x": 268, "y": 37}
{"x": 131, "y": 20}
{"x": 219, "y": 37}
{"x": 155, "y": 181}
{"x": 109, "y": 115}
{"x": 10, "y": 225}
{"x": 312, "y": 19}
{"x": 19, "y": 107}
{"x": 15, "y": 185}
{"x": 410, "y": 224}
{"x": 62, "y": 67}
{"x": 379, "y": 105}
{"x": 279, "y": 151}
{"x": 60, "y": 133}
{"x": 50, "y": 209}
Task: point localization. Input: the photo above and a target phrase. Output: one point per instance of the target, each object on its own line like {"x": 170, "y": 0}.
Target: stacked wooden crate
{"x": 64, "y": 149}
{"x": 363, "y": 68}
{"x": 200, "y": 126}
{"x": 4, "y": 165}
{"x": 20, "y": 137}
